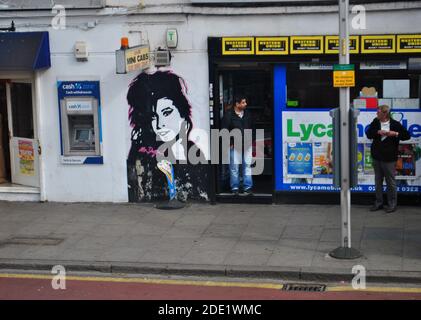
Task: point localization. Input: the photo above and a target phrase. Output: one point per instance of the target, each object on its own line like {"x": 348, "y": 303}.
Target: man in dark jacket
{"x": 386, "y": 134}
{"x": 240, "y": 118}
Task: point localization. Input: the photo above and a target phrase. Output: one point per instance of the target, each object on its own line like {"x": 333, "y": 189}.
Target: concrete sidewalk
{"x": 274, "y": 241}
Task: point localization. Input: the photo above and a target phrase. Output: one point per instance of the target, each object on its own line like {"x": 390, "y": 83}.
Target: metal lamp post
{"x": 345, "y": 251}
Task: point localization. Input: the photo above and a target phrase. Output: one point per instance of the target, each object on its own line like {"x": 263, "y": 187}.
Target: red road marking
{"x": 40, "y": 289}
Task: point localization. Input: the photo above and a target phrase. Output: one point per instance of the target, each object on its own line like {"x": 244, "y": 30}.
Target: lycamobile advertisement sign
{"x": 310, "y": 132}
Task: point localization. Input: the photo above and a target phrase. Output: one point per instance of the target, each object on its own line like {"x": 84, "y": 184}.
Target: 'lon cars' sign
{"x": 133, "y": 59}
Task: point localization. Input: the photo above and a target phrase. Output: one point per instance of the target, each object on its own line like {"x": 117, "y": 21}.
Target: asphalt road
{"x": 39, "y": 287}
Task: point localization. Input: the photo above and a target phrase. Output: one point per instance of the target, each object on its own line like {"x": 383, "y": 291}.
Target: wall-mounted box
{"x": 172, "y": 38}
{"x": 132, "y": 59}
{"x": 162, "y": 58}
{"x": 81, "y": 51}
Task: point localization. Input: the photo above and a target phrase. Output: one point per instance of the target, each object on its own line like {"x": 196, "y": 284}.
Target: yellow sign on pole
{"x": 344, "y": 79}
{"x": 343, "y": 75}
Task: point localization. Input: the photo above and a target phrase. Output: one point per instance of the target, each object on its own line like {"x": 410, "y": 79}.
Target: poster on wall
{"x": 300, "y": 158}
{"x": 368, "y": 160}
{"x": 314, "y": 128}
{"x": 360, "y": 158}
{"x": 322, "y": 166}
{"x": 26, "y": 158}
{"x": 406, "y": 164}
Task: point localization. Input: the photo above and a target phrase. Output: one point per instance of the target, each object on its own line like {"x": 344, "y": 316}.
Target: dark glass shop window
{"x": 21, "y": 94}
{"x": 310, "y": 88}
{"x": 374, "y": 78}
{"x": 255, "y": 85}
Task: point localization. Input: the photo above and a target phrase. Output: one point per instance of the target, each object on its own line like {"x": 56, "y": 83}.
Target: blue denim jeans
{"x": 245, "y": 159}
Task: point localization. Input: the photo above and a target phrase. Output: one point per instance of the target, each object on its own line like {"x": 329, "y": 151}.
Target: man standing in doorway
{"x": 240, "y": 118}
{"x": 386, "y": 134}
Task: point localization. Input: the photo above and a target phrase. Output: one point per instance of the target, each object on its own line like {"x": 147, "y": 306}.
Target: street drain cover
{"x": 304, "y": 287}
{"x": 32, "y": 241}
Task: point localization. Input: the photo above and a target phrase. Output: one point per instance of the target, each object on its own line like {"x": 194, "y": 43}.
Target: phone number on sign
{"x": 398, "y": 188}
{"x": 408, "y": 189}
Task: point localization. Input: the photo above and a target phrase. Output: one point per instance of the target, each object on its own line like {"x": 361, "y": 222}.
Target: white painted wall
{"x": 108, "y": 182}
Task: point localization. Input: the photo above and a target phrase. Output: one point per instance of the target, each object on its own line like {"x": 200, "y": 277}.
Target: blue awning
{"x": 24, "y": 51}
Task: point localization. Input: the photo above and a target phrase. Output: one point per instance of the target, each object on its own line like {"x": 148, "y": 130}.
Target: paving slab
{"x": 212, "y": 243}
{"x": 214, "y": 257}
{"x": 263, "y": 232}
{"x": 254, "y": 247}
{"x": 224, "y": 239}
{"x": 150, "y": 229}
{"x": 192, "y": 219}
{"x": 225, "y": 230}
{"x": 302, "y": 232}
{"x": 382, "y": 233}
{"x": 247, "y": 259}
{"x": 185, "y": 231}
{"x": 334, "y": 234}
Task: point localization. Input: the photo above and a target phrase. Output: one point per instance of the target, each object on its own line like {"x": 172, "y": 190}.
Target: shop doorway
{"x": 19, "y": 156}
{"x": 257, "y": 85}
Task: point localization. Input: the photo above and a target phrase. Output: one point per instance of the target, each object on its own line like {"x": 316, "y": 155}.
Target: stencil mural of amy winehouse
{"x": 160, "y": 118}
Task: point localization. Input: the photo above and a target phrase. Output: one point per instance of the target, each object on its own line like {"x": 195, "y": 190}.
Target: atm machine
{"x": 80, "y": 126}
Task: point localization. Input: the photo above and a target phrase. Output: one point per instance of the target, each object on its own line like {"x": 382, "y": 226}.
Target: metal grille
{"x": 162, "y": 58}
{"x": 304, "y": 287}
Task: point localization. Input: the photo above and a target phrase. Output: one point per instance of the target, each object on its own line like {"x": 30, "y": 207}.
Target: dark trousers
{"x": 385, "y": 171}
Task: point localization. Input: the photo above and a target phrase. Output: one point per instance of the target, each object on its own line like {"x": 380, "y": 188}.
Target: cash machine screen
{"x": 82, "y": 133}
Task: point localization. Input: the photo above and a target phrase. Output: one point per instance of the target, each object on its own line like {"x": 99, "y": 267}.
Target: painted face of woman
{"x": 167, "y": 121}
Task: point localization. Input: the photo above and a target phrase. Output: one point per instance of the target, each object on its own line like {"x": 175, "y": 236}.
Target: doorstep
{"x": 16, "y": 192}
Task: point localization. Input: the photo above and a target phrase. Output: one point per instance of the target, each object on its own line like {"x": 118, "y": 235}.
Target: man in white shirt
{"x": 386, "y": 134}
